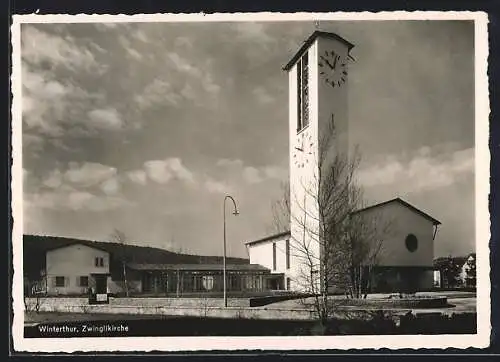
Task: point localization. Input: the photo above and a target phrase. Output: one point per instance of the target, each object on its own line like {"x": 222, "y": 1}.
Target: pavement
{"x": 458, "y": 302}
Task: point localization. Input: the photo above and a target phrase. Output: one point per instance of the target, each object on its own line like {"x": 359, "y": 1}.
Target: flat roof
{"x": 270, "y": 237}
{"x": 310, "y": 40}
{"x": 196, "y": 267}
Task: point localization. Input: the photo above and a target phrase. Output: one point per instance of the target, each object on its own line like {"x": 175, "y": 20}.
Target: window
{"x": 411, "y": 242}
{"x": 303, "y": 92}
{"x": 287, "y": 283}
{"x": 59, "y": 282}
{"x": 274, "y": 256}
{"x": 99, "y": 261}
{"x": 83, "y": 281}
{"x": 287, "y": 246}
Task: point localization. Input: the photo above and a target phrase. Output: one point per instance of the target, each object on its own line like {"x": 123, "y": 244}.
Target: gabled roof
{"x": 77, "y": 242}
{"x": 270, "y": 237}
{"x": 404, "y": 203}
{"x": 310, "y": 40}
{"x": 197, "y": 267}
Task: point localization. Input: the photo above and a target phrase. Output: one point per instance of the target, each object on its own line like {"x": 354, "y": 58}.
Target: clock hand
{"x": 326, "y": 61}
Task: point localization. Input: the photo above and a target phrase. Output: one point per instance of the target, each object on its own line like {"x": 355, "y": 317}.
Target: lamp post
{"x": 235, "y": 212}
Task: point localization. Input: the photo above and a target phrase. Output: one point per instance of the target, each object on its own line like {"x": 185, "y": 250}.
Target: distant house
{"x": 468, "y": 271}
{"x": 455, "y": 271}
{"x": 73, "y": 269}
{"x": 405, "y": 260}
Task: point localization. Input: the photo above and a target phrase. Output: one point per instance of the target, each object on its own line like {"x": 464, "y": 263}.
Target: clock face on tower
{"x": 332, "y": 67}
{"x": 303, "y": 150}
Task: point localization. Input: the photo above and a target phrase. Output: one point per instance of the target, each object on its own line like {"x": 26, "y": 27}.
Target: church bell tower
{"x": 318, "y": 82}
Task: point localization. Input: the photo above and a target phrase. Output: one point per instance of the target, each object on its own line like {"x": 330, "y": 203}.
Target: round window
{"x": 411, "y": 242}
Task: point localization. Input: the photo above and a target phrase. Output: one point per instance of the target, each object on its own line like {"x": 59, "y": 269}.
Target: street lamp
{"x": 235, "y": 212}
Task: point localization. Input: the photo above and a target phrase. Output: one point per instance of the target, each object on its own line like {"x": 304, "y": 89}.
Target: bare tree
{"x": 335, "y": 247}
{"x": 280, "y": 210}
{"x": 119, "y": 237}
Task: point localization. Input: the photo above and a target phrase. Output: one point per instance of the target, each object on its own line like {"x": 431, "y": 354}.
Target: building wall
{"x": 72, "y": 262}
{"x": 333, "y": 100}
{"x": 303, "y": 179}
{"x": 402, "y": 279}
{"x": 402, "y": 221}
{"x": 118, "y": 286}
{"x": 325, "y": 101}
{"x": 262, "y": 254}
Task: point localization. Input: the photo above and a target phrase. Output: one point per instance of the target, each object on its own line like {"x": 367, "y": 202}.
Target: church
{"x": 318, "y": 98}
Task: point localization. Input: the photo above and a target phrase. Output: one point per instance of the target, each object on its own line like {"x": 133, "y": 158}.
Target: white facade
{"x": 68, "y": 267}
{"x": 274, "y": 253}
{"x": 327, "y": 103}
{"x": 318, "y": 73}
{"x": 402, "y": 221}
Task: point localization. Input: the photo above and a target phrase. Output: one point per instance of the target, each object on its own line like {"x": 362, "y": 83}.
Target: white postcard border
{"x": 144, "y": 344}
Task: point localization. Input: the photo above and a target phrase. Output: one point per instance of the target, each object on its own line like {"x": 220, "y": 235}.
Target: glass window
{"x": 287, "y": 246}
{"x": 303, "y": 92}
{"x": 83, "y": 281}
{"x": 274, "y": 256}
{"x": 60, "y": 282}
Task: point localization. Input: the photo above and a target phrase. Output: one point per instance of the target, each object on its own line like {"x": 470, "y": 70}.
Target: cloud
{"x": 162, "y": 171}
{"x": 253, "y": 31}
{"x": 262, "y": 95}
{"x": 88, "y": 174}
{"x": 183, "y": 42}
{"x": 276, "y": 172}
{"x": 134, "y": 54}
{"x": 217, "y": 187}
{"x": 421, "y": 172}
{"x": 54, "y": 180}
{"x": 236, "y": 168}
{"x": 77, "y": 188}
{"x": 229, "y": 162}
{"x": 157, "y": 93}
{"x": 141, "y": 35}
{"x": 137, "y": 176}
{"x": 48, "y": 104}
{"x": 67, "y": 198}
{"x": 42, "y": 47}
{"x": 199, "y": 83}
{"x": 110, "y": 186}
{"x": 108, "y": 118}
{"x": 252, "y": 175}
{"x": 44, "y": 101}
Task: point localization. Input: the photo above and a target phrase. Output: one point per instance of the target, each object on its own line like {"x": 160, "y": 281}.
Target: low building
{"x": 73, "y": 269}
{"x": 186, "y": 279}
{"x": 273, "y": 252}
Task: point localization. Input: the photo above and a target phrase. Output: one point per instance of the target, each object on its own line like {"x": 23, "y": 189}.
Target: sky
{"x": 145, "y": 127}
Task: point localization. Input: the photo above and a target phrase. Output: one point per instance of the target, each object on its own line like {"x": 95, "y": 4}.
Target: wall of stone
{"x": 167, "y": 306}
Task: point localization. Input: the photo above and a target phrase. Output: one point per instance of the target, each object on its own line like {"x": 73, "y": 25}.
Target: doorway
{"x": 101, "y": 285}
